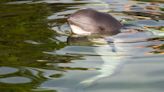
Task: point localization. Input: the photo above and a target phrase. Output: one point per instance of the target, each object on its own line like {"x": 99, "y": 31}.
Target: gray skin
{"x": 95, "y": 22}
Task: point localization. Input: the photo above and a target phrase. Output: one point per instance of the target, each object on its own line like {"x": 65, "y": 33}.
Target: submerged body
{"x": 89, "y": 21}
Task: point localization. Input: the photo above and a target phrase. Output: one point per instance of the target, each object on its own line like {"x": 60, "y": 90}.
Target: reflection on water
{"x": 36, "y": 54}
{"x": 15, "y": 80}
{"x": 7, "y": 70}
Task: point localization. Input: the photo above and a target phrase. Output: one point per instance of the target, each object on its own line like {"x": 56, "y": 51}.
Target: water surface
{"x": 35, "y": 55}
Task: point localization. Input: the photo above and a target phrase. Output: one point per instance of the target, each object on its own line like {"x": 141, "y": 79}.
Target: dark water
{"x": 35, "y": 55}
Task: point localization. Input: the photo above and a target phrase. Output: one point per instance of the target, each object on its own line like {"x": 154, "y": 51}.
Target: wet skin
{"x": 89, "y": 21}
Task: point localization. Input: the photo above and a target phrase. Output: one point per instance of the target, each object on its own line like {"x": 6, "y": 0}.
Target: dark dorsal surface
{"x": 95, "y": 22}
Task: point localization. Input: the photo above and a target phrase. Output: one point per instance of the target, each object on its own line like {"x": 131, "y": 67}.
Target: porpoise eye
{"x": 101, "y": 29}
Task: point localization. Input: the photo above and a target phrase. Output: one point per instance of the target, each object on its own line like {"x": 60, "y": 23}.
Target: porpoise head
{"x": 89, "y": 21}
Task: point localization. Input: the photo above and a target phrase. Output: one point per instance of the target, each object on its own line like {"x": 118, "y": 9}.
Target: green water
{"x": 28, "y": 45}
{"x": 18, "y": 24}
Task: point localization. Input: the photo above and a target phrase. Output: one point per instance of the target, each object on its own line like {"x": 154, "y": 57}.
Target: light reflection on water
{"x": 86, "y": 66}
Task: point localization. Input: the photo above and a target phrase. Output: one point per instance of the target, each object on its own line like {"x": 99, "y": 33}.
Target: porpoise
{"x": 89, "y": 21}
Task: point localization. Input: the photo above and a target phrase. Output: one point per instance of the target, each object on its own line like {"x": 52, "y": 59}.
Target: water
{"x": 37, "y": 55}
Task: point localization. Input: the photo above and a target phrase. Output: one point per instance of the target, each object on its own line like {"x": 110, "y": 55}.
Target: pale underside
{"x": 79, "y": 31}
